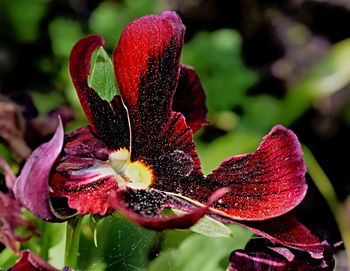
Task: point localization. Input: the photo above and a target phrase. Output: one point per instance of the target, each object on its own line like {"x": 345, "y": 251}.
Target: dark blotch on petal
{"x": 144, "y": 208}
{"x": 108, "y": 122}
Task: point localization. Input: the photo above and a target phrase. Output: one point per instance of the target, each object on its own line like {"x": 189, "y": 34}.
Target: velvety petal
{"x": 264, "y": 184}
{"x": 89, "y": 191}
{"x": 257, "y": 261}
{"x": 189, "y": 99}
{"x": 147, "y": 67}
{"x": 261, "y": 255}
{"x": 83, "y": 175}
{"x": 32, "y": 186}
{"x": 144, "y": 207}
{"x": 10, "y": 219}
{"x": 284, "y": 230}
{"x": 31, "y": 262}
{"x": 110, "y": 123}
{"x": 288, "y": 231}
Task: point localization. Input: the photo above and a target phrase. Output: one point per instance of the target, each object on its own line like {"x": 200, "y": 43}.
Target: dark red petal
{"x": 32, "y": 186}
{"x": 83, "y": 174}
{"x": 109, "y": 122}
{"x": 8, "y": 173}
{"x": 31, "y": 262}
{"x": 262, "y": 255}
{"x": 286, "y": 230}
{"x": 89, "y": 191}
{"x": 189, "y": 99}
{"x": 264, "y": 184}
{"x": 147, "y": 67}
{"x": 257, "y": 261}
{"x": 143, "y": 207}
{"x": 10, "y": 219}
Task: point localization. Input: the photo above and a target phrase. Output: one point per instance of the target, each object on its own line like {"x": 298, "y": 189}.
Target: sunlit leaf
{"x": 209, "y": 227}
{"x": 102, "y": 77}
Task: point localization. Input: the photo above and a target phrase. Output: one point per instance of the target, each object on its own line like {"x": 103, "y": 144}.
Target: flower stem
{"x": 325, "y": 186}
{"x": 72, "y": 241}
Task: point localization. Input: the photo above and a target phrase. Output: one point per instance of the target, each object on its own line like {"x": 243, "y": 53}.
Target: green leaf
{"x": 198, "y": 252}
{"x": 7, "y": 258}
{"x": 102, "y": 77}
{"x": 122, "y": 245}
{"x": 209, "y": 227}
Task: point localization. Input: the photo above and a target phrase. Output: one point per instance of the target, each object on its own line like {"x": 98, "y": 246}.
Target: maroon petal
{"x": 31, "y": 262}
{"x": 257, "y": 261}
{"x": 144, "y": 207}
{"x": 264, "y": 184}
{"x": 261, "y": 255}
{"x": 83, "y": 175}
{"x": 189, "y": 98}
{"x": 32, "y": 186}
{"x": 147, "y": 67}
{"x": 89, "y": 191}
{"x": 109, "y": 122}
{"x": 10, "y": 219}
{"x": 286, "y": 230}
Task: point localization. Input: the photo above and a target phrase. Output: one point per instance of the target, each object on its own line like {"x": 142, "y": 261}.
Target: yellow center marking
{"x": 136, "y": 174}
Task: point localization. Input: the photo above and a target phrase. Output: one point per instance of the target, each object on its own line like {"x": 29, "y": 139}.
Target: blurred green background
{"x": 261, "y": 63}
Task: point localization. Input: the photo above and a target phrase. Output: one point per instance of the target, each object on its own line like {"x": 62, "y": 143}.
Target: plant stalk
{"x": 72, "y": 241}
{"x": 325, "y": 187}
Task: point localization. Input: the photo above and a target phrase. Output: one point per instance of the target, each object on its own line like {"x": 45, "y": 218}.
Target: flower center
{"x": 136, "y": 174}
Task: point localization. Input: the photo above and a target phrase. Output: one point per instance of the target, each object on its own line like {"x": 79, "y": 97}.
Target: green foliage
{"x": 25, "y": 17}
{"x": 64, "y": 34}
{"x": 198, "y": 252}
{"x": 121, "y": 244}
{"x": 216, "y": 58}
{"x": 7, "y": 258}
{"x": 330, "y": 75}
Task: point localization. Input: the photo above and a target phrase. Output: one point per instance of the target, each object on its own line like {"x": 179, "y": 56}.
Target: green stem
{"x": 72, "y": 241}
{"x": 324, "y": 185}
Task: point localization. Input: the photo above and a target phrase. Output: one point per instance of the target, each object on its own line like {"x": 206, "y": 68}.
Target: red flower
{"x": 137, "y": 155}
